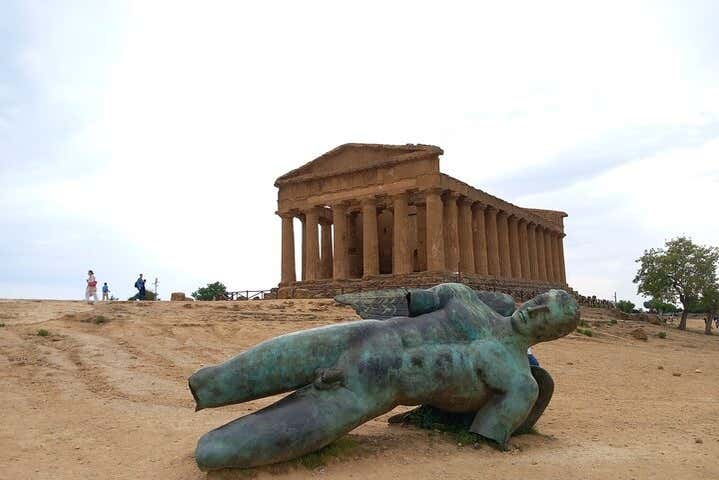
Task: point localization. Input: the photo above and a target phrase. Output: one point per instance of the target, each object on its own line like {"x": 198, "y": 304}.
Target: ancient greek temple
{"x": 381, "y": 216}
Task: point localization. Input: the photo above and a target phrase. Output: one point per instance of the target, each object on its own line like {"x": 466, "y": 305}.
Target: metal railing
{"x": 244, "y": 295}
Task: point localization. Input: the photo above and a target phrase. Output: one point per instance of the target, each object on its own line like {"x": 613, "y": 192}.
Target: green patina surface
{"x": 452, "y": 352}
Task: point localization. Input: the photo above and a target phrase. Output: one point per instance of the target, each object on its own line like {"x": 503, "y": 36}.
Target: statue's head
{"x": 548, "y": 316}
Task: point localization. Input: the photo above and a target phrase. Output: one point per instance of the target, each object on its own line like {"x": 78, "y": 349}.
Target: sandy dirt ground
{"x": 104, "y": 395}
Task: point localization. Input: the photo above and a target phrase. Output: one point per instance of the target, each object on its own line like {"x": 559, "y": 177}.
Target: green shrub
{"x": 585, "y": 331}
{"x": 625, "y": 306}
{"x": 2, "y": 324}
{"x": 210, "y": 292}
{"x": 42, "y": 333}
{"x": 148, "y": 296}
{"x": 613, "y": 321}
{"x": 99, "y": 320}
{"x": 662, "y": 334}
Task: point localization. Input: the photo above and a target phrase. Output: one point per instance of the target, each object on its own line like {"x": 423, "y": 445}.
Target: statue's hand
{"x": 515, "y": 392}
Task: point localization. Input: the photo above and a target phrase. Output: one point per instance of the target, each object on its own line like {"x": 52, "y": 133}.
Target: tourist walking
{"x": 91, "y": 289}
{"x": 140, "y": 286}
{"x": 105, "y": 291}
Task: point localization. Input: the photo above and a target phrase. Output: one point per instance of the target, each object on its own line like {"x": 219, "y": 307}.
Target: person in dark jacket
{"x": 140, "y": 286}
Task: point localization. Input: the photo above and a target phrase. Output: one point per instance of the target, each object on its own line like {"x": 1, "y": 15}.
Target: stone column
{"x": 288, "y": 249}
{"x": 421, "y": 218}
{"x": 524, "y": 249}
{"x": 541, "y": 257}
{"x": 548, "y": 256}
{"x": 303, "y": 219}
{"x": 533, "y": 256}
{"x": 505, "y": 263}
{"x": 479, "y": 239}
{"x": 312, "y": 243}
{"x": 340, "y": 270}
{"x": 435, "y": 239}
{"x": 492, "y": 236}
{"x": 451, "y": 233}
{"x": 556, "y": 263}
{"x": 401, "y": 259}
{"x": 326, "y": 249}
{"x": 466, "y": 238}
{"x": 370, "y": 239}
{"x": 515, "y": 252}
{"x": 563, "y": 267}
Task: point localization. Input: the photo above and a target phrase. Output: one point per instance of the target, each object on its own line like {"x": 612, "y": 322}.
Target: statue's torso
{"x": 431, "y": 359}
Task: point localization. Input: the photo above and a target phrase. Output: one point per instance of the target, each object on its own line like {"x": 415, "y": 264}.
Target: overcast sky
{"x": 146, "y": 136}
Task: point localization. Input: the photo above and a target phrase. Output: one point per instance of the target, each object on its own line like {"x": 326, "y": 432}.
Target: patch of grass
{"x": 465, "y": 437}
{"x": 99, "y": 320}
{"x": 582, "y": 323}
{"x": 2, "y": 324}
{"x": 436, "y": 420}
{"x": 585, "y": 331}
{"x": 613, "y": 321}
{"x": 43, "y": 333}
{"x": 662, "y": 334}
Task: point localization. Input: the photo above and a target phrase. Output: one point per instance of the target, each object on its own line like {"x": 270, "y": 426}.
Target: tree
{"x": 625, "y": 306}
{"x": 679, "y": 272}
{"x": 210, "y": 292}
{"x": 709, "y": 304}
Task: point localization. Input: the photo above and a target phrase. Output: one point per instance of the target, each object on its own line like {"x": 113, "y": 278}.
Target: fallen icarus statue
{"x": 453, "y": 352}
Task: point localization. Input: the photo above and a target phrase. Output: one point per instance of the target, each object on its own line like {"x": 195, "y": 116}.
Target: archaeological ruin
{"x": 384, "y": 216}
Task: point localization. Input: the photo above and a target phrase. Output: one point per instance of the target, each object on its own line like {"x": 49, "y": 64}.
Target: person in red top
{"x": 91, "y": 289}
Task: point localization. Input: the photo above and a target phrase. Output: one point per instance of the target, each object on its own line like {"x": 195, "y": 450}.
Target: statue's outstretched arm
{"x": 432, "y": 299}
{"x": 515, "y": 392}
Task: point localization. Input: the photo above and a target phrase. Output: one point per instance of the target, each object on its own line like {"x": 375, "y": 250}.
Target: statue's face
{"x": 547, "y": 316}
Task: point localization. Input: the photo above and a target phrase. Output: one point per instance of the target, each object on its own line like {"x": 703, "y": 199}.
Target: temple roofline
{"x": 402, "y": 153}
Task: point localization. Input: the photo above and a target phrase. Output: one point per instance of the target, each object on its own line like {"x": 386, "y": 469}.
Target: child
{"x": 105, "y": 291}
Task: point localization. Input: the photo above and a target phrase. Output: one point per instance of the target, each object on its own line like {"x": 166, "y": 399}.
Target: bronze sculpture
{"x": 452, "y": 352}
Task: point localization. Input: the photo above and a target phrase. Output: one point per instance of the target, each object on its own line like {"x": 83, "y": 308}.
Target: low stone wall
{"x": 520, "y": 290}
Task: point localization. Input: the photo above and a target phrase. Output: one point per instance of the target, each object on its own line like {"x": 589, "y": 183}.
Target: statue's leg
{"x": 279, "y": 365}
{"x": 300, "y": 423}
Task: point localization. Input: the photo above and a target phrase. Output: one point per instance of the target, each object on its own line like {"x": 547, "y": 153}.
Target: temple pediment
{"x": 352, "y": 157}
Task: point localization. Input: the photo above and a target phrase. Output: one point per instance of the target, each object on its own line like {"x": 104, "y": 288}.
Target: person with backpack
{"x": 140, "y": 286}
{"x": 105, "y": 291}
{"x": 91, "y": 289}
